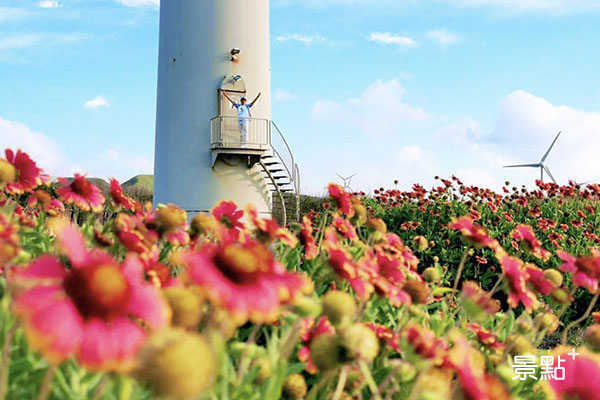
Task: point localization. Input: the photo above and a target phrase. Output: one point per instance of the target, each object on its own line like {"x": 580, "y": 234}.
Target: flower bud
{"x": 307, "y": 306}
{"x": 377, "y": 225}
{"x": 177, "y": 363}
{"x": 418, "y": 291}
{"x": 325, "y": 351}
{"x": 548, "y": 321}
{"x": 592, "y": 337}
{"x": 186, "y": 306}
{"x": 421, "y": 243}
{"x": 170, "y": 217}
{"x": 203, "y": 224}
{"x": 295, "y": 387}
{"x": 562, "y": 296}
{"x": 431, "y": 275}
{"x": 263, "y": 364}
{"x": 554, "y": 276}
{"x": 339, "y": 307}
{"x": 405, "y": 371}
{"x": 519, "y": 344}
{"x": 360, "y": 342}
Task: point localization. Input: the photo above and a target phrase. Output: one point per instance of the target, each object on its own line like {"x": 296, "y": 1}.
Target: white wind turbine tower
{"x": 543, "y": 167}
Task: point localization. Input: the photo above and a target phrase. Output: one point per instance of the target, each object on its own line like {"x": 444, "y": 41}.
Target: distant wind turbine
{"x": 347, "y": 181}
{"x": 543, "y": 167}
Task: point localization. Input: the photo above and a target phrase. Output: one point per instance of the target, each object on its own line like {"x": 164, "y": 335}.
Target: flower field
{"x": 455, "y": 292}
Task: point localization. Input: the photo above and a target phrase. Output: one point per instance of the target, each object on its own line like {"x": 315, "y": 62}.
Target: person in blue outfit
{"x": 244, "y": 115}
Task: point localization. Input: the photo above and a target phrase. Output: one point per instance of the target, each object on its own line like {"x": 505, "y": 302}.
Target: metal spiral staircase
{"x": 269, "y": 157}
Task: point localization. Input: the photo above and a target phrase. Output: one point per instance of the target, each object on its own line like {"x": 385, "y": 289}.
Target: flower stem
{"x": 341, "y": 384}
{"x": 461, "y": 266}
{"x": 581, "y": 319}
{"x": 497, "y": 285}
{"x": 325, "y": 378}
{"x": 46, "y": 385}
{"x": 5, "y": 363}
{"x": 99, "y": 391}
{"x": 364, "y": 368}
{"x": 243, "y": 365}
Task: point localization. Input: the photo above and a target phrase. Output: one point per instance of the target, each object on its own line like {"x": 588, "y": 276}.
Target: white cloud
{"x": 444, "y": 37}
{"x": 12, "y": 14}
{"x": 48, "y": 4}
{"x": 528, "y": 124}
{"x": 281, "y": 96}
{"x": 379, "y": 110}
{"x": 58, "y": 161}
{"x": 43, "y": 149}
{"x": 296, "y": 37}
{"x": 411, "y": 149}
{"x": 388, "y": 38}
{"x": 139, "y": 3}
{"x": 410, "y": 154}
{"x": 96, "y": 102}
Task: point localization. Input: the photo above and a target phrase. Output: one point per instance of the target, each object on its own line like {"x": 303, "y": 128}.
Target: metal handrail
{"x": 225, "y": 133}
{"x": 290, "y": 165}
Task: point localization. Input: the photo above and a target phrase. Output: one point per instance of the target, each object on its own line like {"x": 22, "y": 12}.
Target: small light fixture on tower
{"x": 234, "y": 52}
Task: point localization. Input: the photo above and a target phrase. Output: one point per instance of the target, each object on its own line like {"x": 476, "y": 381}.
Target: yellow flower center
{"x": 8, "y": 173}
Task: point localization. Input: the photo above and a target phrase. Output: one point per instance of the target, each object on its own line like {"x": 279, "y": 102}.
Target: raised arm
{"x": 254, "y": 101}
{"x": 227, "y": 96}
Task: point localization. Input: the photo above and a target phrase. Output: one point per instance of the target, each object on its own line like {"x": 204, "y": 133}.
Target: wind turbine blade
{"x": 523, "y": 166}
{"x": 549, "y": 174}
{"x": 550, "y": 148}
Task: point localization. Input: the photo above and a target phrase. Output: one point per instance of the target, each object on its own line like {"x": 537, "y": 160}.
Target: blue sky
{"x": 386, "y": 89}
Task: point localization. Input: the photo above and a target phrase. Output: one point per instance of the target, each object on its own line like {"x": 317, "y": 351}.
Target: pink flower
{"x": 386, "y": 334}
{"x": 344, "y": 227}
{"x": 585, "y": 270}
{"x": 28, "y": 174}
{"x": 270, "y": 230}
{"x": 9, "y": 240}
{"x": 342, "y": 198}
{"x": 537, "y": 279}
{"x": 517, "y": 281}
{"x": 226, "y": 212}
{"x": 308, "y": 241}
{"x": 86, "y": 310}
{"x": 581, "y": 376}
{"x": 81, "y": 193}
{"x": 119, "y": 198}
{"x": 44, "y": 201}
{"x": 244, "y": 279}
{"x": 524, "y": 233}
{"x": 426, "y": 344}
{"x": 470, "y": 366}
{"x": 475, "y": 234}
{"x": 485, "y": 336}
{"x": 135, "y": 235}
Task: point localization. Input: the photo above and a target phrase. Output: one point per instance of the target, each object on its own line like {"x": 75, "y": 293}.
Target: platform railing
{"x": 225, "y": 132}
